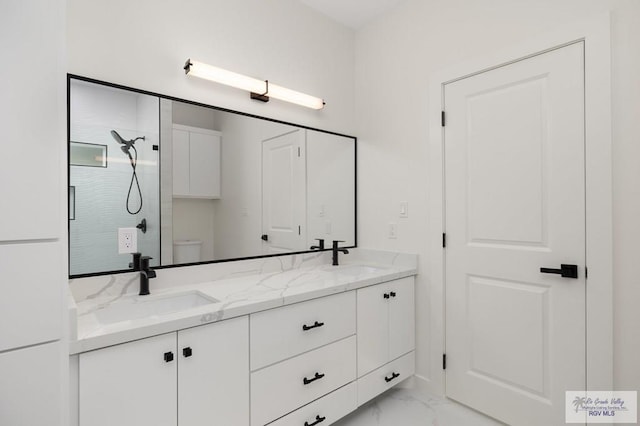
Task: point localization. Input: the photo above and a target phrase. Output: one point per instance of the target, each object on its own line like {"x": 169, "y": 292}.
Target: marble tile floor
{"x": 410, "y": 407}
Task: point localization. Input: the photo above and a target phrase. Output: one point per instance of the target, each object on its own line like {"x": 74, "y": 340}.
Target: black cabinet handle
{"x": 392, "y": 294}
{"x": 318, "y": 420}
{"x": 393, "y": 376}
{"x": 317, "y": 376}
{"x": 168, "y": 356}
{"x": 187, "y": 352}
{"x": 264, "y": 237}
{"x": 316, "y": 324}
{"x": 386, "y": 295}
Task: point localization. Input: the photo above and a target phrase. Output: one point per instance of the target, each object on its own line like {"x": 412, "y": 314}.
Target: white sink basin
{"x": 356, "y": 270}
{"x": 136, "y": 307}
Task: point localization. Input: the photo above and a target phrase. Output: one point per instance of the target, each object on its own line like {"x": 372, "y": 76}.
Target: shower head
{"x": 126, "y": 144}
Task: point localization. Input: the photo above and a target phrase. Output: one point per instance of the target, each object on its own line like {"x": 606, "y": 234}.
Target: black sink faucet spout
{"x": 335, "y": 250}
{"x": 141, "y": 263}
{"x": 320, "y": 245}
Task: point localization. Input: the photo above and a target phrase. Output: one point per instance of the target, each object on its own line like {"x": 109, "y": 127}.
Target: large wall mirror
{"x": 198, "y": 183}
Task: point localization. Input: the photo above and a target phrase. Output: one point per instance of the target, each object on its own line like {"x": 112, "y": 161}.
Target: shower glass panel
{"x": 103, "y": 193}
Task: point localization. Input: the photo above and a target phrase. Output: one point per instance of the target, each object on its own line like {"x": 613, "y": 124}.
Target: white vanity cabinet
{"x": 188, "y": 378}
{"x": 386, "y": 336}
{"x": 302, "y": 353}
{"x": 196, "y": 162}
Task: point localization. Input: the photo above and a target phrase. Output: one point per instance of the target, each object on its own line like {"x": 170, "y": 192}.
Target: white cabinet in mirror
{"x": 239, "y": 186}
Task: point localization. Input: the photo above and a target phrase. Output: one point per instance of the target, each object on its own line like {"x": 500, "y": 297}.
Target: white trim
{"x": 196, "y": 130}
{"x": 596, "y": 34}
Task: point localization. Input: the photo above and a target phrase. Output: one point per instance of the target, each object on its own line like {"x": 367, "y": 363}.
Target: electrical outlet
{"x": 404, "y": 209}
{"x": 393, "y": 230}
{"x": 127, "y": 240}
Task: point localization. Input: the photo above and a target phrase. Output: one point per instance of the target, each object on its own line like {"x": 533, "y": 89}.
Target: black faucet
{"x": 320, "y": 245}
{"x": 141, "y": 263}
{"x": 145, "y": 273}
{"x": 335, "y": 251}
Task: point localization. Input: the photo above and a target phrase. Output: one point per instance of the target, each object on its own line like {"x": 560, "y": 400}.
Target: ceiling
{"x": 352, "y": 13}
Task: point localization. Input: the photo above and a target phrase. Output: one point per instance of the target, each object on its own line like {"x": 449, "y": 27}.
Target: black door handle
{"x": 317, "y": 376}
{"x": 393, "y": 376}
{"x": 386, "y": 295}
{"x": 318, "y": 420}
{"x": 187, "y": 352}
{"x": 264, "y": 237}
{"x": 316, "y": 324}
{"x": 168, "y": 356}
{"x": 565, "y": 271}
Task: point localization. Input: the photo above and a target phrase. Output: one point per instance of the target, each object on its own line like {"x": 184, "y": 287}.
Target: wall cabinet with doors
{"x": 196, "y": 162}
{"x": 175, "y": 379}
{"x": 386, "y": 336}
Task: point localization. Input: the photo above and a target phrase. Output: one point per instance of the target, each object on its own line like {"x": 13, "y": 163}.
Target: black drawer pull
{"x": 316, "y": 324}
{"x": 168, "y": 356}
{"x": 392, "y": 294}
{"x": 393, "y": 376}
{"x": 386, "y": 295}
{"x": 187, "y": 352}
{"x": 316, "y": 377}
{"x": 318, "y": 420}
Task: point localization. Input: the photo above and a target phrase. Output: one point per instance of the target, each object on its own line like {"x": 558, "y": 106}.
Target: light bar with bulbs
{"x": 259, "y": 90}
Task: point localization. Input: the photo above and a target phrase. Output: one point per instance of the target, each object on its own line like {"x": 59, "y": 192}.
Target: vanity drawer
{"x": 385, "y": 377}
{"x": 284, "y": 332}
{"x": 325, "y": 410}
{"x": 280, "y": 388}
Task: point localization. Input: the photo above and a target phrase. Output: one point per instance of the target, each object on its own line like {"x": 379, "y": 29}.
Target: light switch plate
{"x": 393, "y": 230}
{"x": 404, "y": 209}
{"x": 127, "y": 240}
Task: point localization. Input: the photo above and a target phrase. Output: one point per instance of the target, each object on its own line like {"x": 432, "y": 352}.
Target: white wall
{"x": 144, "y": 44}
{"x": 33, "y": 226}
{"x": 401, "y": 50}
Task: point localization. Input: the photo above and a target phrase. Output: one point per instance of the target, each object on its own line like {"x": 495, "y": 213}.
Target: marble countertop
{"x": 236, "y": 296}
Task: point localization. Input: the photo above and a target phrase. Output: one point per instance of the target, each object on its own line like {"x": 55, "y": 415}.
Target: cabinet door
{"x": 373, "y": 328}
{"x": 130, "y": 384}
{"x": 213, "y": 384}
{"x": 180, "y": 153}
{"x": 204, "y": 160}
{"x": 401, "y": 317}
{"x": 30, "y": 386}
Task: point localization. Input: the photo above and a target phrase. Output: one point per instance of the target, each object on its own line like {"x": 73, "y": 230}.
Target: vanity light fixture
{"x": 259, "y": 90}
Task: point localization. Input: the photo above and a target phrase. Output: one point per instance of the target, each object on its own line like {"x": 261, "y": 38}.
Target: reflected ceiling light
{"x": 259, "y": 90}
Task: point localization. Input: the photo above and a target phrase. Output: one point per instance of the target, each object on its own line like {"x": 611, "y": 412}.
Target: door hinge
{"x": 586, "y": 272}
{"x": 298, "y": 151}
{"x": 444, "y": 361}
{"x": 299, "y": 230}
{"x": 442, "y": 121}
{"x": 444, "y": 240}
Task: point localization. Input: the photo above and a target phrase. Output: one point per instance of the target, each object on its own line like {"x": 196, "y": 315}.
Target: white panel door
{"x": 283, "y": 193}
{"x": 515, "y": 202}
{"x": 213, "y": 380}
{"x": 132, "y": 384}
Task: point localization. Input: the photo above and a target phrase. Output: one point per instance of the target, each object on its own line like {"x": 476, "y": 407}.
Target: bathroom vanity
{"x": 303, "y": 345}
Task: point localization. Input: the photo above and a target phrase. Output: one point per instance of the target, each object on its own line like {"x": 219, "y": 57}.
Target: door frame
{"x": 596, "y": 34}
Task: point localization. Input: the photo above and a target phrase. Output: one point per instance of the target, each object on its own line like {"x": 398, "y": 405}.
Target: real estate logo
{"x": 601, "y": 407}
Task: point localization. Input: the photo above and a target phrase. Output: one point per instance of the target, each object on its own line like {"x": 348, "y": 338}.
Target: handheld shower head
{"x": 126, "y": 144}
